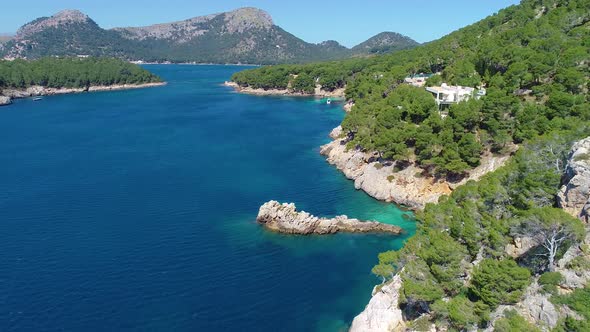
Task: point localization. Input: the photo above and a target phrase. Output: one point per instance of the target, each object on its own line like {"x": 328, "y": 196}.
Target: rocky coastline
{"x": 382, "y": 313}
{"x": 4, "y": 100}
{"x": 36, "y": 90}
{"x": 319, "y": 92}
{"x": 284, "y": 218}
{"x": 407, "y": 187}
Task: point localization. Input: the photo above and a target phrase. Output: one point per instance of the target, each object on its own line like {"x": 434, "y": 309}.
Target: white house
{"x": 449, "y": 94}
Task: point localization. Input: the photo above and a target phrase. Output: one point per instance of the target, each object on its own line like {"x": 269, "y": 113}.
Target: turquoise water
{"x": 135, "y": 211}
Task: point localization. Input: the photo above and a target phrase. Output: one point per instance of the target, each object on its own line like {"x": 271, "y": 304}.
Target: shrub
{"x": 499, "y": 282}
{"x": 550, "y": 280}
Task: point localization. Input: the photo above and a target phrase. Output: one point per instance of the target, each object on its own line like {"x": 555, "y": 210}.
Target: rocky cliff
{"x": 382, "y": 314}
{"x": 574, "y": 196}
{"x": 284, "y": 218}
{"x": 382, "y": 181}
{"x": 4, "y": 100}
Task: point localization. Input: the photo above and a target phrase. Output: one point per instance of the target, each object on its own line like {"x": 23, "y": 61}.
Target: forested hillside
{"x": 71, "y": 73}
{"x": 533, "y": 52}
{"x": 533, "y": 59}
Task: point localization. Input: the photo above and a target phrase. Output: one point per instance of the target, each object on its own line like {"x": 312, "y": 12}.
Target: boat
{"x": 37, "y": 98}
{"x": 329, "y": 101}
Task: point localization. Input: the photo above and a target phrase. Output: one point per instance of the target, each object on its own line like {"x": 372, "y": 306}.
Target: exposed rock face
{"x": 520, "y": 246}
{"x": 535, "y": 307}
{"x": 382, "y": 314}
{"x": 574, "y": 196}
{"x": 237, "y": 21}
{"x": 284, "y": 218}
{"x": 5, "y": 101}
{"x": 406, "y": 187}
{"x": 574, "y": 278}
{"x": 318, "y": 92}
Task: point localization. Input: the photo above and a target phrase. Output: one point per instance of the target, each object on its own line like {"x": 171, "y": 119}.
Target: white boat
{"x": 329, "y": 101}
{"x": 37, "y": 98}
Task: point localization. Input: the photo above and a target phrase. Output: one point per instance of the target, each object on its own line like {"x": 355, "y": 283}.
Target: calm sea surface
{"x": 135, "y": 211}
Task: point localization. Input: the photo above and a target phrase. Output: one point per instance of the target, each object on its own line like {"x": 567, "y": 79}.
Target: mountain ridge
{"x": 243, "y": 35}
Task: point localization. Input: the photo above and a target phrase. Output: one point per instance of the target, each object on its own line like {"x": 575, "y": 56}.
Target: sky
{"x": 346, "y": 21}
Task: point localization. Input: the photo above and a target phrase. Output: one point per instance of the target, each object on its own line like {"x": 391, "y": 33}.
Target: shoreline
{"x": 338, "y": 93}
{"x": 37, "y": 90}
{"x": 405, "y": 188}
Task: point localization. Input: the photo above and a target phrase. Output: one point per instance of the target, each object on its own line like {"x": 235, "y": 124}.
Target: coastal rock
{"x": 382, "y": 314}
{"x": 318, "y": 92}
{"x": 574, "y": 196}
{"x": 348, "y": 106}
{"x": 5, "y": 100}
{"x": 284, "y": 218}
{"x": 336, "y": 132}
{"x": 406, "y": 187}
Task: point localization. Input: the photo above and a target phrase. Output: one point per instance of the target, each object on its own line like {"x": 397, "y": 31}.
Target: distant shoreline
{"x": 37, "y": 90}
{"x": 196, "y": 64}
{"x": 338, "y": 93}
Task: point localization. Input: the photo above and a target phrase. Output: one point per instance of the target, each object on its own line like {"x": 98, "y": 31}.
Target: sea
{"x": 136, "y": 211}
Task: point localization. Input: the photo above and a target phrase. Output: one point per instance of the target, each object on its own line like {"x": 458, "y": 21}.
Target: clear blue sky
{"x": 348, "y": 21}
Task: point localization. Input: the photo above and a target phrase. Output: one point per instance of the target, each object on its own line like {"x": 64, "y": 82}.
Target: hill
{"x": 385, "y": 42}
{"x": 245, "y": 35}
{"x": 485, "y": 256}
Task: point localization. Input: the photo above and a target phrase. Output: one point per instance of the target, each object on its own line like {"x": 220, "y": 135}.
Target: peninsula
{"x": 51, "y": 76}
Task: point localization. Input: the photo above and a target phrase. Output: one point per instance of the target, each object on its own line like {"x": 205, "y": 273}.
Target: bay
{"x": 135, "y": 211}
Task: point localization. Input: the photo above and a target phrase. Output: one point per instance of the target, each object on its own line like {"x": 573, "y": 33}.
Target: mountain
{"x": 245, "y": 35}
{"x": 385, "y": 42}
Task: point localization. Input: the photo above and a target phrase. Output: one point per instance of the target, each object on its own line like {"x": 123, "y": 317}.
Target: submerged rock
{"x": 5, "y": 101}
{"x": 284, "y": 218}
{"x": 574, "y": 196}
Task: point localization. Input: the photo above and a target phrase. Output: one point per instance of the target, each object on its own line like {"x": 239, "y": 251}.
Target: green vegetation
{"x": 579, "y": 301}
{"x": 71, "y": 73}
{"x": 550, "y": 281}
{"x": 499, "y": 282}
{"x": 512, "y": 322}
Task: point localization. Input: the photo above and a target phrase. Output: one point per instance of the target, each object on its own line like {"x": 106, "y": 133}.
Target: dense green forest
{"x": 533, "y": 59}
{"x": 71, "y": 73}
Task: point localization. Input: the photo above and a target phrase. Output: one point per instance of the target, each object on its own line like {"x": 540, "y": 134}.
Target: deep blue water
{"x": 135, "y": 210}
